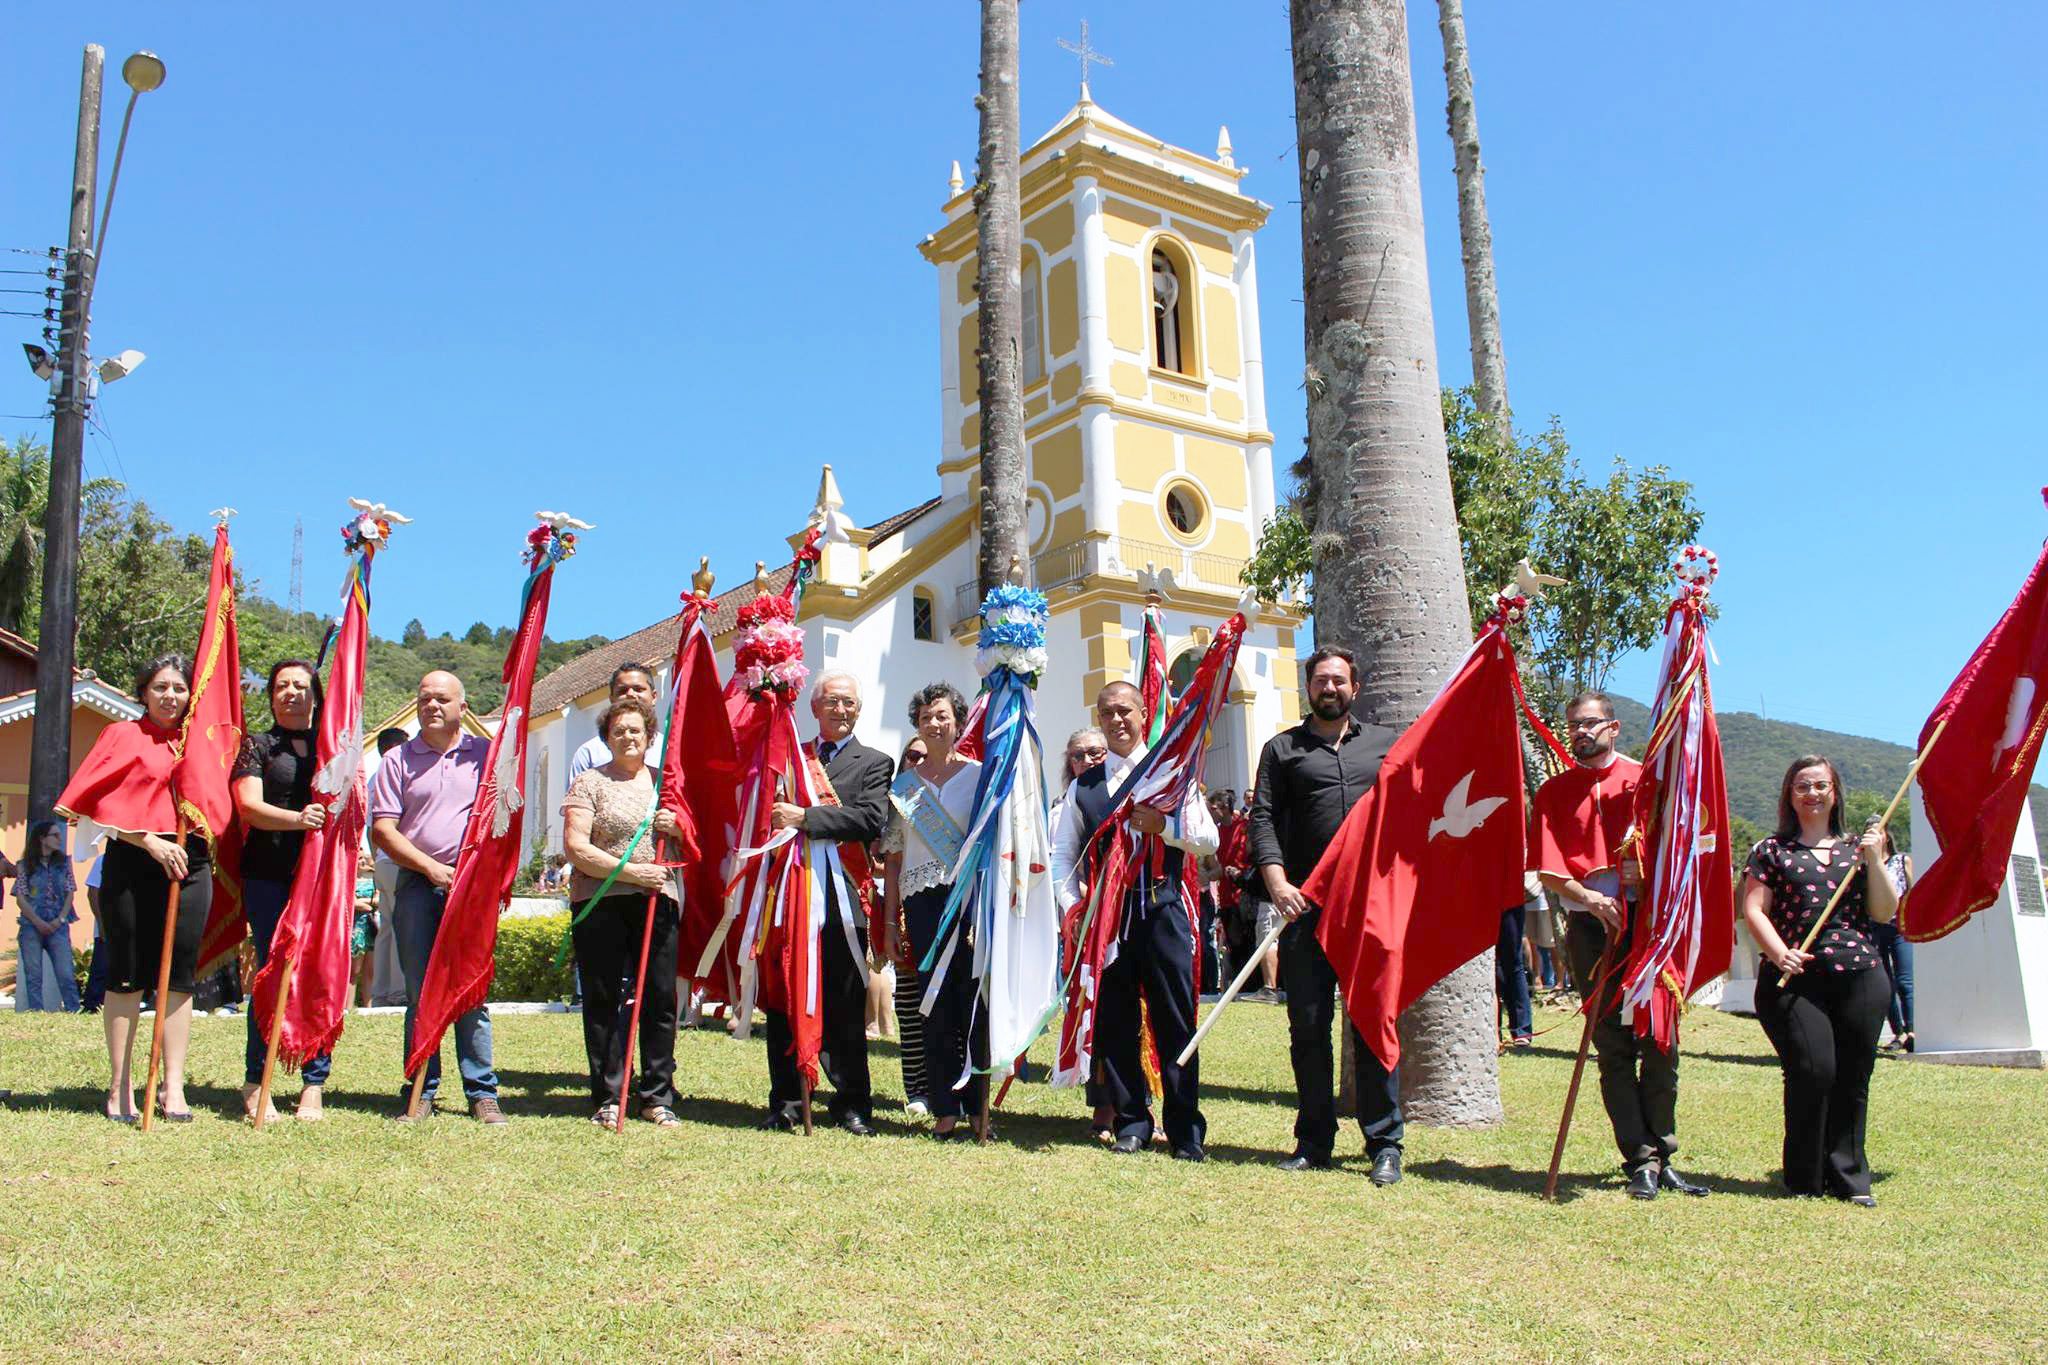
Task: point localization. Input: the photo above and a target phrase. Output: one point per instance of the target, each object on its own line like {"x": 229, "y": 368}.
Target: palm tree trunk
{"x": 1389, "y": 578}
{"x": 999, "y": 264}
{"x": 1475, "y": 234}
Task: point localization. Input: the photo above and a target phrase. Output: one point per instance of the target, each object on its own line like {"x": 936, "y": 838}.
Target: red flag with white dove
{"x": 1421, "y": 870}
{"x": 1973, "y": 780}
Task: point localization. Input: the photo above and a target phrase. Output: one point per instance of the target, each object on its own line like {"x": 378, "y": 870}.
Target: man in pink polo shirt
{"x": 419, "y": 806}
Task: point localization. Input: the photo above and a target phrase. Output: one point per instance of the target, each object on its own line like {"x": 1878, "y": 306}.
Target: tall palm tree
{"x": 24, "y": 493}
{"x": 1475, "y": 233}
{"x": 999, "y": 261}
{"x": 1389, "y": 578}
{"x": 24, "y": 497}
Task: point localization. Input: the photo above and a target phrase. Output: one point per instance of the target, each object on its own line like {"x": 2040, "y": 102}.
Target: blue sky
{"x": 652, "y": 264}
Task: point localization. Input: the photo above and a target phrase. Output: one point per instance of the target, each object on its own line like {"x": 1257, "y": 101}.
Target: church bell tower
{"x": 1143, "y": 375}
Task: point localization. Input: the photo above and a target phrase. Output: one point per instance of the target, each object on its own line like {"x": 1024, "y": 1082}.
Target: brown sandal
{"x": 661, "y": 1116}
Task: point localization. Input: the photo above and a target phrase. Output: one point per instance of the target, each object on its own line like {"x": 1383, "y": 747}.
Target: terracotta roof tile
{"x": 651, "y": 646}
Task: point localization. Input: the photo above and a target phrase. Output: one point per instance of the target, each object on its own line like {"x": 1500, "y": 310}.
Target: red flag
{"x": 1973, "y": 780}
{"x": 700, "y": 778}
{"x": 213, "y": 738}
{"x": 460, "y": 968}
{"x": 1415, "y": 883}
{"x": 1685, "y": 927}
{"x": 313, "y": 932}
{"x": 1152, "y": 691}
{"x": 772, "y": 909}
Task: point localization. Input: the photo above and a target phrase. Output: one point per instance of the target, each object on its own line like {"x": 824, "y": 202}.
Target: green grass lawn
{"x": 359, "y": 1238}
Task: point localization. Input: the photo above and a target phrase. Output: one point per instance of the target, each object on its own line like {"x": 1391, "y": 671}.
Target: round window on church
{"x": 1185, "y": 510}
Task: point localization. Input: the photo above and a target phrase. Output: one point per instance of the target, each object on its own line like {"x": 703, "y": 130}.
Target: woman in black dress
{"x": 123, "y": 791}
{"x": 1824, "y": 1022}
{"x": 273, "y": 782}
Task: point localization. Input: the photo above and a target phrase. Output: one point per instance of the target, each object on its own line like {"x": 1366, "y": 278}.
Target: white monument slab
{"x": 1980, "y": 995}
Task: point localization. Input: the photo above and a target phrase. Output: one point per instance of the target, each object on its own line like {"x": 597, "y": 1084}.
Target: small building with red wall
{"x": 94, "y": 706}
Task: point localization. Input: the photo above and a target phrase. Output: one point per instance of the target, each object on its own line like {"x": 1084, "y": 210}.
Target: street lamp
{"x": 144, "y": 72}
{"x": 50, "y": 751}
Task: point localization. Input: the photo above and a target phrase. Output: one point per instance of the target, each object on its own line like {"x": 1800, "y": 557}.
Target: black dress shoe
{"x": 1190, "y": 1151}
{"x": 1124, "y": 1146}
{"x": 1386, "y": 1166}
{"x": 1678, "y": 1184}
{"x": 1642, "y": 1183}
{"x": 1863, "y": 1201}
{"x": 1305, "y": 1161}
{"x": 779, "y": 1122}
{"x": 856, "y": 1125}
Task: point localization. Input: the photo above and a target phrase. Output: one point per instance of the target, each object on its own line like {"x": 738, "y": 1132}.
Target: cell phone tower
{"x": 298, "y": 587}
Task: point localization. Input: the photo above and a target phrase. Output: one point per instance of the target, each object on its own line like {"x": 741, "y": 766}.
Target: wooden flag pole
{"x": 807, "y": 1106}
{"x": 163, "y": 992}
{"x": 633, "y": 1027}
{"x": 284, "y": 995}
{"x": 1244, "y": 974}
{"x": 419, "y": 1084}
{"x": 1597, "y": 991}
{"x": 1827, "y": 911}
{"x": 1015, "y": 1067}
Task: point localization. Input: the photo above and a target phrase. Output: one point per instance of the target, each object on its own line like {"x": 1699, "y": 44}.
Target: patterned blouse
{"x": 1800, "y": 885}
{"x": 47, "y": 891}
{"x": 616, "y": 806}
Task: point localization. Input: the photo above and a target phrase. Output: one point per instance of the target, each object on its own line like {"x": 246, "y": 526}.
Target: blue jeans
{"x": 264, "y": 901}
{"x": 1896, "y": 952}
{"x": 1547, "y": 961}
{"x": 28, "y": 971}
{"x": 416, "y": 917}
{"x": 1511, "y": 974}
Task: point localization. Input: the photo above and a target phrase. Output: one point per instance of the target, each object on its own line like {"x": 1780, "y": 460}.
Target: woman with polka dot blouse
{"x": 1825, "y": 1021}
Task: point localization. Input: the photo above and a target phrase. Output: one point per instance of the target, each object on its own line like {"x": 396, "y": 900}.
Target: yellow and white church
{"x": 1147, "y": 447}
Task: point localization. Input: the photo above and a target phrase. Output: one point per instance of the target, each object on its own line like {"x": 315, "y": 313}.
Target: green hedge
{"x": 526, "y": 959}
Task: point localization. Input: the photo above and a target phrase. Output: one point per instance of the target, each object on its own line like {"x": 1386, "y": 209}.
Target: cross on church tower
{"x": 1087, "y": 54}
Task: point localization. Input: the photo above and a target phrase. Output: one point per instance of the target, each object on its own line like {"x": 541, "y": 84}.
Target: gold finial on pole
{"x": 1016, "y": 574}
{"x": 760, "y": 575}
{"x": 701, "y": 581}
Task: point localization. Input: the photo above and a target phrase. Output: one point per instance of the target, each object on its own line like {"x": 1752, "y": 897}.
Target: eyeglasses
{"x": 1591, "y": 722}
{"x": 838, "y": 703}
{"x": 1812, "y": 788}
{"x": 1088, "y": 755}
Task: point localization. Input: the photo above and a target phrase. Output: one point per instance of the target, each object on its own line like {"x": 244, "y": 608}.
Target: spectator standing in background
{"x": 43, "y": 889}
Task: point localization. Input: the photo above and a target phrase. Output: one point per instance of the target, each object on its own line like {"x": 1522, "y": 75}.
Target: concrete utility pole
{"x": 50, "y": 755}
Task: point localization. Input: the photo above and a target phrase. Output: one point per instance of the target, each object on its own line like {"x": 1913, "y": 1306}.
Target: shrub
{"x": 526, "y": 959}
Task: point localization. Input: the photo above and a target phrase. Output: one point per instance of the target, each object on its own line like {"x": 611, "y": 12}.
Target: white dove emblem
{"x": 2017, "y": 712}
{"x": 562, "y": 521}
{"x": 1462, "y": 814}
{"x": 379, "y": 512}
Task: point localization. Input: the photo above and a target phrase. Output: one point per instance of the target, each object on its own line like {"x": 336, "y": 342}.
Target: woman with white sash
{"x": 930, "y": 805}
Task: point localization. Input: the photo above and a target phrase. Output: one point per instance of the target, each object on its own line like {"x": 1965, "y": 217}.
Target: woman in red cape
{"x": 124, "y": 788}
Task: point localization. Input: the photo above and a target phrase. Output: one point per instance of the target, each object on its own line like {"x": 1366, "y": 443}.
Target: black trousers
{"x": 1824, "y": 1025}
{"x": 134, "y": 893}
{"x": 952, "y": 1035}
{"x": 1311, "y": 985}
{"x": 844, "y": 1045}
{"x": 1638, "y": 1079}
{"x": 608, "y": 948}
{"x": 1155, "y": 959}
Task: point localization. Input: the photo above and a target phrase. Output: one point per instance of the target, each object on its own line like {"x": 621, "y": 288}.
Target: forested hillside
{"x": 1756, "y": 750}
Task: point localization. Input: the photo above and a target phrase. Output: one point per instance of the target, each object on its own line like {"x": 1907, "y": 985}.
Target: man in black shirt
{"x": 1309, "y": 779}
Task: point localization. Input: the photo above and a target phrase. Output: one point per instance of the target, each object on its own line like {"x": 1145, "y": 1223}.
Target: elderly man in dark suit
{"x": 859, "y": 780}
